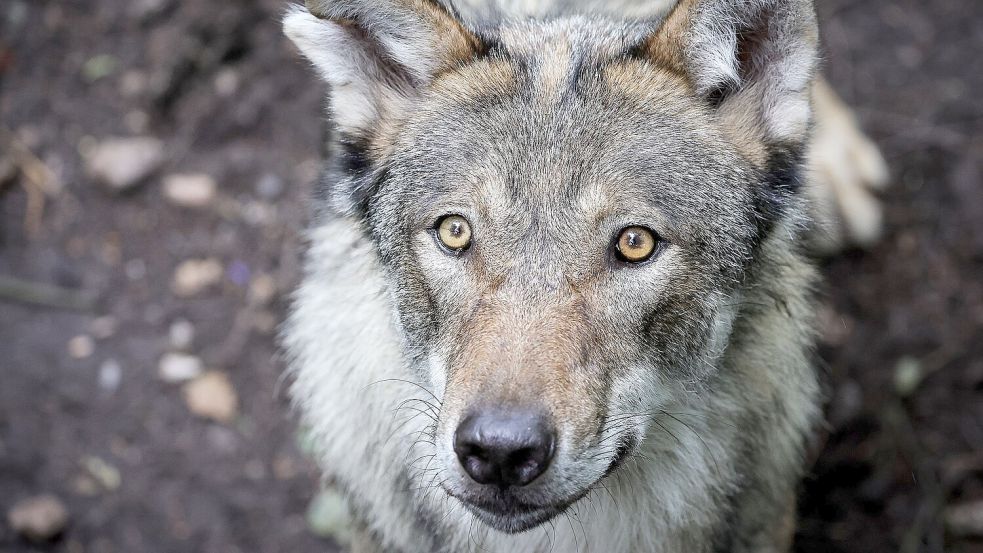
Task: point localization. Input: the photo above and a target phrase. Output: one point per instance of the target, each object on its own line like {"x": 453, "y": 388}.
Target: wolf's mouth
{"x": 625, "y": 449}
{"x": 513, "y": 519}
{"x": 506, "y": 514}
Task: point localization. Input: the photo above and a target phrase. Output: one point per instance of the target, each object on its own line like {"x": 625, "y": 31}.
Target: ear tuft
{"x": 758, "y": 56}
{"x": 422, "y": 36}
{"x": 376, "y": 54}
{"x": 358, "y": 81}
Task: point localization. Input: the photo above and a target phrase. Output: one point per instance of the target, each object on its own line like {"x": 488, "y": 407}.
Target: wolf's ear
{"x": 376, "y": 53}
{"x": 754, "y": 59}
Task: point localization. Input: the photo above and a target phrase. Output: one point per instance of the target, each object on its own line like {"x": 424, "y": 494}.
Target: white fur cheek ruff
{"x": 342, "y": 349}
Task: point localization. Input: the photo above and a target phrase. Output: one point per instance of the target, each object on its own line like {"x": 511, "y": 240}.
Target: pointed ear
{"x": 753, "y": 59}
{"x": 376, "y": 54}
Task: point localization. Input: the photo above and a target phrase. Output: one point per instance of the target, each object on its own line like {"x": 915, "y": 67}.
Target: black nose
{"x": 504, "y": 447}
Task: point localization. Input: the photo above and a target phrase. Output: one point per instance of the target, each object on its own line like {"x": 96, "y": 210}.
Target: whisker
{"x": 417, "y": 384}
{"x": 706, "y": 446}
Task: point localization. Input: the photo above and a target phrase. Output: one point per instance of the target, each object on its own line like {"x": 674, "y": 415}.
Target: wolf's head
{"x": 565, "y": 210}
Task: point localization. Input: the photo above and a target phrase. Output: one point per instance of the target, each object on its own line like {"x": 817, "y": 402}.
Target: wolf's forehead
{"x": 595, "y": 32}
{"x": 562, "y": 120}
{"x": 557, "y": 50}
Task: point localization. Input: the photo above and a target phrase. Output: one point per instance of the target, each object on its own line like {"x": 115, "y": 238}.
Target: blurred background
{"x": 155, "y": 157}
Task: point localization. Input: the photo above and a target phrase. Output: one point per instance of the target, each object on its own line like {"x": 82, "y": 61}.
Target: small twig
{"x": 237, "y": 339}
{"x": 47, "y": 295}
{"x": 40, "y": 181}
{"x": 933, "y": 492}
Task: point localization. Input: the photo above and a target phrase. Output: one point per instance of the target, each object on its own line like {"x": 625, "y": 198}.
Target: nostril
{"x": 467, "y": 449}
{"x": 480, "y": 470}
{"x": 504, "y": 447}
{"x": 526, "y": 464}
{"x": 523, "y": 456}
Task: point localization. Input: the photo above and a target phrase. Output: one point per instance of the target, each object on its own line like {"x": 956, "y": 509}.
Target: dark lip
{"x": 625, "y": 449}
{"x": 517, "y": 517}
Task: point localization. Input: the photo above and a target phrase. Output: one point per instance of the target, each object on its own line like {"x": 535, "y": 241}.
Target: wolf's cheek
{"x": 644, "y": 313}
{"x": 430, "y": 290}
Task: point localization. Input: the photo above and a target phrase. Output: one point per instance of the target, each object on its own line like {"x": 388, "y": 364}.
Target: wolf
{"x": 558, "y": 293}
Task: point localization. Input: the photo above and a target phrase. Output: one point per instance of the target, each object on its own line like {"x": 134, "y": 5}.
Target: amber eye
{"x": 636, "y": 244}
{"x": 454, "y": 232}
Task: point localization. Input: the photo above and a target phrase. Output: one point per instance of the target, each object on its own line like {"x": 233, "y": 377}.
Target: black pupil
{"x": 457, "y": 228}
{"x": 634, "y": 239}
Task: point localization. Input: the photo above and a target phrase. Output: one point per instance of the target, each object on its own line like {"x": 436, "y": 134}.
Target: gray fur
{"x": 695, "y": 365}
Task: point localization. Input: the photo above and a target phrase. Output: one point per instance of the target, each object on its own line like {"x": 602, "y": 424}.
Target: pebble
{"x": 847, "y": 403}
{"x": 135, "y": 269}
{"x": 835, "y": 328}
{"x": 123, "y": 163}
{"x": 269, "y": 187}
{"x": 255, "y": 470}
{"x": 258, "y": 213}
{"x": 181, "y": 335}
{"x": 100, "y": 66}
{"x": 223, "y": 440}
{"x": 39, "y": 519}
{"x": 85, "y": 485}
{"x": 153, "y": 314}
{"x": 30, "y": 136}
{"x": 104, "y": 327}
{"x": 227, "y": 82}
{"x": 284, "y": 467}
{"x": 110, "y": 375}
{"x": 212, "y": 396}
{"x": 16, "y": 14}
{"x": 239, "y": 272}
{"x": 908, "y": 375}
{"x": 145, "y": 10}
{"x": 8, "y": 170}
{"x": 262, "y": 289}
{"x": 308, "y": 170}
{"x": 133, "y": 83}
{"x": 81, "y": 347}
{"x": 965, "y": 520}
{"x": 106, "y": 474}
{"x": 195, "y": 275}
{"x": 179, "y": 367}
{"x": 136, "y": 121}
{"x": 328, "y": 517}
{"x": 264, "y": 322}
{"x": 956, "y": 468}
{"x": 194, "y": 190}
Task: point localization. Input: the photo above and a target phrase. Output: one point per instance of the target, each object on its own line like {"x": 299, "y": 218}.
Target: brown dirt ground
{"x": 890, "y": 465}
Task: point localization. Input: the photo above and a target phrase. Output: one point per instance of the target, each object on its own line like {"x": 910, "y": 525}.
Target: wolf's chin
{"x": 515, "y": 522}
{"x": 512, "y": 520}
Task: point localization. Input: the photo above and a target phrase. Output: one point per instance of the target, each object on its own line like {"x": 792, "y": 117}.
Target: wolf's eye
{"x": 454, "y": 232}
{"x": 636, "y": 244}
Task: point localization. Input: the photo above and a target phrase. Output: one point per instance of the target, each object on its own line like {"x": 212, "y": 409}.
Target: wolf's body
{"x": 715, "y": 402}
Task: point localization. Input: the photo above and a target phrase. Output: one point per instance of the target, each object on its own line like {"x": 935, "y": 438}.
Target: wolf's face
{"x": 565, "y": 211}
